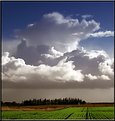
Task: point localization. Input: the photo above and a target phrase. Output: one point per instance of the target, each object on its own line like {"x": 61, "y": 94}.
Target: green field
{"x": 67, "y": 113}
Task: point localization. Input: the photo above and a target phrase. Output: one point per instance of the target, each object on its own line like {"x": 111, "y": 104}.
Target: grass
{"x": 67, "y": 113}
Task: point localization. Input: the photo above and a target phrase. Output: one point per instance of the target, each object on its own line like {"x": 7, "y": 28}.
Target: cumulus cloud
{"x": 106, "y": 67}
{"x": 16, "y": 68}
{"x": 86, "y": 16}
{"x": 49, "y": 56}
{"x": 104, "y": 77}
{"x": 56, "y": 30}
{"x": 73, "y": 70}
{"x": 87, "y": 61}
{"x": 93, "y": 77}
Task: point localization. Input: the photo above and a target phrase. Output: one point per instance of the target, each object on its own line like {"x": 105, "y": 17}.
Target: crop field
{"x": 65, "y": 113}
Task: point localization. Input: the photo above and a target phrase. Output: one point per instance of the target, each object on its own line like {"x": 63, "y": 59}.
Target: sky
{"x": 57, "y": 50}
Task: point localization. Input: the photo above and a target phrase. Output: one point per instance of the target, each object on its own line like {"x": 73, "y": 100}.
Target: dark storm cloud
{"x": 31, "y": 54}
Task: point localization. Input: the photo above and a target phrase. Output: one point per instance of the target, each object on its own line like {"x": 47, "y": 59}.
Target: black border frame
{"x": 3, "y": 1}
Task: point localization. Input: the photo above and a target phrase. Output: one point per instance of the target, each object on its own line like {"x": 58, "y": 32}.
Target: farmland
{"x": 64, "y": 112}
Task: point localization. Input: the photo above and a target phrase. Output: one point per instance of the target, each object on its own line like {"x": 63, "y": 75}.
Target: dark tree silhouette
{"x": 34, "y": 102}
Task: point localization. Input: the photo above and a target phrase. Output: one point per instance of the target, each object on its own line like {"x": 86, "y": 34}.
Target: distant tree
{"x": 60, "y": 101}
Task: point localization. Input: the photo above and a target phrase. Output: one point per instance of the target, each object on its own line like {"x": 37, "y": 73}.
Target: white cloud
{"x": 106, "y": 67}
{"x": 53, "y": 53}
{"x": 48, "y": 56}
{"x": 30, "y": 25}
{"x": 86, "y": 16}
{"x": 5, "y": 58}
{"x": 95, "y": 53}
{"x": 91, "y": 77}
{"x": 60, "y": 19}
{"x": 94, "y": 77}
{"x": 16, "y": 70}
{"x": 101, "y": 34}
{"x": 104, "y": 77}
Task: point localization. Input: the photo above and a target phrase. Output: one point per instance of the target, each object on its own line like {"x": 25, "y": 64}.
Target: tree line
{"x": 34, "y": 102}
